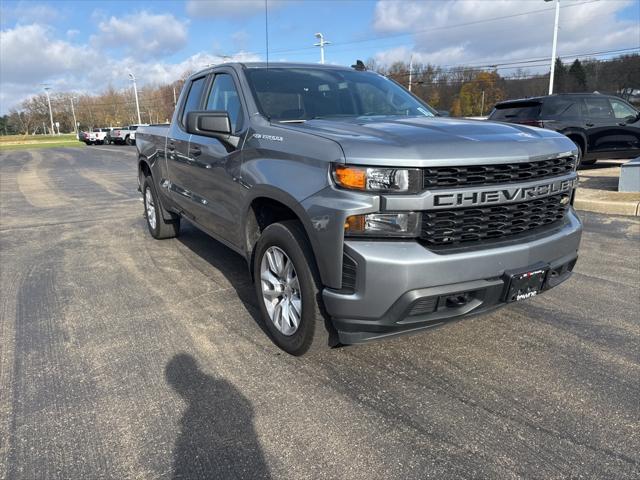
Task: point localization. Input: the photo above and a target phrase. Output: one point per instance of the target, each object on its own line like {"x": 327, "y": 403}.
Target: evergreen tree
{"x": 559, "y": 77}
{"x": 578, "y": 77}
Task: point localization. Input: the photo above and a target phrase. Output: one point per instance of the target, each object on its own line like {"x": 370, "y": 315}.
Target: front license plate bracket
{"x": 525, "y": 283}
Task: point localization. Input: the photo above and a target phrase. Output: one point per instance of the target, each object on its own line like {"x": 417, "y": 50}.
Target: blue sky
{"x": 86, "y": 45}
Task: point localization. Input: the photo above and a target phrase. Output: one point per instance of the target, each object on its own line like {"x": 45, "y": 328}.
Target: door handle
{"x": 622, "y": 124}
{"x": 590, "y": 124}
{"x": 195, "y": 151}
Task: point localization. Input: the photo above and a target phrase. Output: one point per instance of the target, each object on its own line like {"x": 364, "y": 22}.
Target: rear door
{"x": 215, "y": 163}
{"x": 563, "y": 113}
{"x": 179, "y": 165}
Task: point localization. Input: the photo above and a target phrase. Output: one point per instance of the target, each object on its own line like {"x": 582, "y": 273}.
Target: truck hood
{"x": 427, "y": 141}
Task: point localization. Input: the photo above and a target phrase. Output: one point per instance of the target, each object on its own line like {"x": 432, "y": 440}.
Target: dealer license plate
{"x": 525, "y": 284}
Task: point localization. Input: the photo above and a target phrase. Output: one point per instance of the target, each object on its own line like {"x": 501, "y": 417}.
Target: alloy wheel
{"x": 150, "y": 208}
{"x": 281, "y": 290}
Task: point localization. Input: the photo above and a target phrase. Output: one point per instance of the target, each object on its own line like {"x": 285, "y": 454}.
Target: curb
{"x": 603, "y": 201}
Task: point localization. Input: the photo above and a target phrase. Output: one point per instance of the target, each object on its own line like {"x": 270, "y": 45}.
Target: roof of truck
{"x": 273, "y": 65}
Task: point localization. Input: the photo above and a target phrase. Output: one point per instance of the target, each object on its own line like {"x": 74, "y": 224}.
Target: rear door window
{"x": 562, "y": 107}
{"x": 193, "y": 98}
{"x": 514, "y": 112}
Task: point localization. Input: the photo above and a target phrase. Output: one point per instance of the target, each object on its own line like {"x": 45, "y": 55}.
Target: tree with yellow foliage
{"x": 470, "y": 98}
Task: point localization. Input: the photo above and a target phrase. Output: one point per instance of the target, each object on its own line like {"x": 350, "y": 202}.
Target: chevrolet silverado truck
{"x": 361, "y": 213}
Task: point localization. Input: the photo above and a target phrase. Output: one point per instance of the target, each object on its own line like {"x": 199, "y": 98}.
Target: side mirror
{"x": 209, "y": 123}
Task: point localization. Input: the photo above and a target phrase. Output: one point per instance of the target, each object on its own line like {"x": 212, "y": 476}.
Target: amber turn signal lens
{"x": 355, "y": 224}
{"x": 351, "y": 177}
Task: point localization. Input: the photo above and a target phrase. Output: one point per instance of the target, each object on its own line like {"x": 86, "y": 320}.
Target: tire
{"x": 314, "y": 331}
{"x": 159, "y": 228}
{"x": 581, "y": 160}
{"x": 127, "y": 140}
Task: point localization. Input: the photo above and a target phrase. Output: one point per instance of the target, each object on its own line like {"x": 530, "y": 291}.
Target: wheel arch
{"x": 577, "y": 137}
{"x": 268, "y": 205}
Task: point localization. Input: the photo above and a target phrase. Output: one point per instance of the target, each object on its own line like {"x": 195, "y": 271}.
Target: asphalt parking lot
{"x": 124, "y": 357}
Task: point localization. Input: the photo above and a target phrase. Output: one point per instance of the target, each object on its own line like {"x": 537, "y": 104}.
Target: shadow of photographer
{"x": 217, "y": 439}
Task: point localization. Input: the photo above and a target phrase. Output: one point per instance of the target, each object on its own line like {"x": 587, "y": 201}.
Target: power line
{"x": 336, "y": 45}
{"x": 518, "y": 64}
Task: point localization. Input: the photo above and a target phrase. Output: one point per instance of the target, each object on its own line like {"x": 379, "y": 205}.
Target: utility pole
{"x": 46, "y": 91}
{"x": 73, "y": 112}
{"x": 175, "y": 102}
{"x": 321, "y": 43}
{"x": 553, "y": 48}
{"x": 135, "y": 91}
{"x": 482, "y": 105}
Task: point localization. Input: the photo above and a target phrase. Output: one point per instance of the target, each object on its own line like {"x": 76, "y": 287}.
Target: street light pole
{"x": 135, "y": 91}
{"x": 555, "y": 44}
{"x": 73, "y": 112}
{"x": 410, "y": 71}
{"x": 322, "y": 42}
{"x": 46, "y": 91}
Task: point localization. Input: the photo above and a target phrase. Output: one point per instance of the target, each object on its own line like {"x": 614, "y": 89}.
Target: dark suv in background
{"x": 601, "y": 126}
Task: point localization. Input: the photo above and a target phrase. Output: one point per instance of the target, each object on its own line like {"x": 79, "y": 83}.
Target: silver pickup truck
{"x": 361, "y": 213}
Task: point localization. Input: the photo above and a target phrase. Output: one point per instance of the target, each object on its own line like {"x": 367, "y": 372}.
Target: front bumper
{"x": 402, "y": 287}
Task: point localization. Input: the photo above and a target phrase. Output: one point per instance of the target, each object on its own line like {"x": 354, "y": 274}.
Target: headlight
{"x": 373, "y": 179}
{"x": 383, "y": 225}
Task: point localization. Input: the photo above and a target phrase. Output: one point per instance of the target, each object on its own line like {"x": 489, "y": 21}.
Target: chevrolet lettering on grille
{"x": 496, "y": 196}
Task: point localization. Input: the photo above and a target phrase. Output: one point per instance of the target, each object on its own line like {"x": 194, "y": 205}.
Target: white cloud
{"x": 585, "y": 28}
{"x": 143, "y": 34}
{"x": 32, "y": 54}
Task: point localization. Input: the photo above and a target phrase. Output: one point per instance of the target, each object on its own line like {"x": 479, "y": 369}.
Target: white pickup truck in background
{"x": 126, "y": 135}
{"x": 96, "y": 136}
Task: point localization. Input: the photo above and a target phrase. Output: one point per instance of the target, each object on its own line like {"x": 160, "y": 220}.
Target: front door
{"x": 605, "y": 133}
{"x": 179, "y": 164}
{"x": 217, "y": 162}
{"x": 628, "y": 142}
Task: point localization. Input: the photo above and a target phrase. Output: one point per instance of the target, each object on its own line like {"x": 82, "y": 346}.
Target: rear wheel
{"x": 288, "y": 289}
{"x": 159, "y": 228}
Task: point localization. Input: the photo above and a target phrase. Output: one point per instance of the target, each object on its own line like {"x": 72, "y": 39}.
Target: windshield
{"x": 298, "y": 94}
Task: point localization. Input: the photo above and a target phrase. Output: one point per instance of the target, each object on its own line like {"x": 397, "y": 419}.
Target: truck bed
{"x": 152, "y": 138}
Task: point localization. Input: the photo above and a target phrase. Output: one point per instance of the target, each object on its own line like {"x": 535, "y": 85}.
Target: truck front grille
{"x": 469, "y": 175}
{"x": 458, "y": 227}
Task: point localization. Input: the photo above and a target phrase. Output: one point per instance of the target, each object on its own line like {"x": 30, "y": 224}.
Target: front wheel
{"x": 288, "y": 289}
{"x": 159, "y": 228}
{"x": 581, "y": 160}
{"x": 127, "y": 141}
